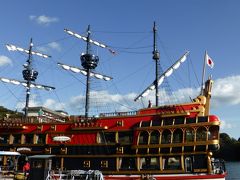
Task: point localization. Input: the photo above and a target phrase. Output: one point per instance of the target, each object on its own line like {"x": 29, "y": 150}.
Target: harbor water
{"x": 233, "y": 169}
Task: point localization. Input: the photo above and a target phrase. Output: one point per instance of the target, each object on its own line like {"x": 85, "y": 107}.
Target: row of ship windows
{"x": 108, "y": 137}
{"x": 144, "y": 163}
{"x": 180, "y": 135}
{"x": 186, "y": 163}
{"x": 173, "y": 121}
{"x": 23, "y": 139}
{"x": 166, "y": 136}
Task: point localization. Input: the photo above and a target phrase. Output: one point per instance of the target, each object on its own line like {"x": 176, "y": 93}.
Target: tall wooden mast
{"x": 156, "y": 57}
{"x": 160, "y": 78}
{"x": 89, "y": 62}
{"x": 29, "y": 74}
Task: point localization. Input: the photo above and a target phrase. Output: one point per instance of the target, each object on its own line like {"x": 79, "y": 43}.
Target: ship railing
{"x": 31, "y": 120}
{"x": 218, "y": 166}
{"x": 129, "y": 113}
{"x": 75, "y": 174}
{"x": 19, "y": 120}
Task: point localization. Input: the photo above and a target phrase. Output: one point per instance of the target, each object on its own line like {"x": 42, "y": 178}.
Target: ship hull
{"x": 169, "y": 177}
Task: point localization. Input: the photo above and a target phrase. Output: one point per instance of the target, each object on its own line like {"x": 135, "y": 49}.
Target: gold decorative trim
{"x": 104, "y": 164}
{"x": 86, "y": 164}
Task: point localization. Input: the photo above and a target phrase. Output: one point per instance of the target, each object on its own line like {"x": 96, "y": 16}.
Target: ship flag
{"x": 209, "y": 61}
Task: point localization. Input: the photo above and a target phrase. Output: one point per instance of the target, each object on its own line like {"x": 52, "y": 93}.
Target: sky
{"x": 126, "y": 27}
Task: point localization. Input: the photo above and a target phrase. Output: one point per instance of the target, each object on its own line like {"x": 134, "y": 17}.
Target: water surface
{"x": 233, "y": 169}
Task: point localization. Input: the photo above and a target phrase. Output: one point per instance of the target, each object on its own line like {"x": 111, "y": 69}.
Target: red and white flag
{"x": 209, "y": 61}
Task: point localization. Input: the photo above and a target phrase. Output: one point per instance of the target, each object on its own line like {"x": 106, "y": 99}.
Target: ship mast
{"x": 29, "y": 74}
{"x": 160, "y": 78}
{"x": 89, "y": 62}
{"x": 156, "y": 57}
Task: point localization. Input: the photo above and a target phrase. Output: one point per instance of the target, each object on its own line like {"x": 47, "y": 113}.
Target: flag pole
{"x": 204, "y": 69}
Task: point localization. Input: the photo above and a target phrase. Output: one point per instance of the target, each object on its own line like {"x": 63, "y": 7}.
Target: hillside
{"x": 4, "y": 112}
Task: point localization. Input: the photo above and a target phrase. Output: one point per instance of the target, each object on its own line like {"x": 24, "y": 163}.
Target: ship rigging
{"x": 29, "y": 74}
{"x": 89, "y": 62}
{"x": 176, "y": 141}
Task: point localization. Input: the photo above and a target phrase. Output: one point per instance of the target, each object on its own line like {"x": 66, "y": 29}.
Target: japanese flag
{"x": 209, "y": 61}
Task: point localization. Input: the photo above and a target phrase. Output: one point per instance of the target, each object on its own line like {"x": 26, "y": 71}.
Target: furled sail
{"x": 24, "y": 83}
{"x": 161, "y": 78}
{"x": 12, "y": 47}
{"x": 84, "y": 72}
{"x": 90, "y": 40}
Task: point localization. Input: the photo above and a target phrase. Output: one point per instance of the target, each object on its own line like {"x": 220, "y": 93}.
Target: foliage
{"x": 229, "y": 148}
{"x": 4, "y": 112}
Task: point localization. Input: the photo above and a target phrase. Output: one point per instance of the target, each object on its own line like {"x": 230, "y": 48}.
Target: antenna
{"x": 29, "y": 74}
{"x": 89, "y": 62}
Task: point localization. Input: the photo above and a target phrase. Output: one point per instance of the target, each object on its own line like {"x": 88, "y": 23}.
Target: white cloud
{"x": 43, "y": 20}
{"x": 52, "y": 104}
{"x": 49, "y": 103}
{"x": 49, "y": 47}
{"x": 226, "y": 91}
{"x": 43, "y": 49}
{"x": 55, "y": 46}
{"x": 4, "y": 60}
{"x": 103, "y": 100}
{"x": 21, "y": 105}
{"x": 225, "y": 125}
{"x": 119, "y": 102}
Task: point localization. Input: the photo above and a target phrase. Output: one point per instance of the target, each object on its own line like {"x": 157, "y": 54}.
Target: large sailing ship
{"x": 175, "y": 141}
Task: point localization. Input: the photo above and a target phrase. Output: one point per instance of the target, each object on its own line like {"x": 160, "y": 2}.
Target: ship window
{"x": 157, "y": 122}
{"x": 168, "y": 122}
{"x": 179, "y": 120}
{"x": 143, "y": 137}
{"x": 149, "y": 163}
{"x": 203, "y": 119}
{"x": 4, "y": 139}
{"x": 29, "y": 139}
{"x": 40, "y": 139}
{"x": 177, "y": 136}
{"x": 55, "y": 150}
{"x": 171, "y": 163}
{"x": 145, "y": 123}
{"x": 154, "y": 139}
{"x": 213, "y": 132}
{"x": 125, "y": 137}
{"x": 189, "y": 135}
{"x": 200, "y": 162}
{"x": 127, "y": 163}
{"x": 188, "y": 164}
{"x": 166, "y": 137}
{"x": 106, "y": 137}
{"x": 190, "y": 120}
{"x": 17, "y": 139}
{"x": 109, "y": 137}
{"x": 201, "y": 134}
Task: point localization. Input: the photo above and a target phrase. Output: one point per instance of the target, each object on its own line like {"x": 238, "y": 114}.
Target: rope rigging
{"x": 132, "y": 48}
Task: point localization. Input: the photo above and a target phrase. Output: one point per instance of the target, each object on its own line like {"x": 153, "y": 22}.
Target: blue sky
{"x": 126, "y": 26}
